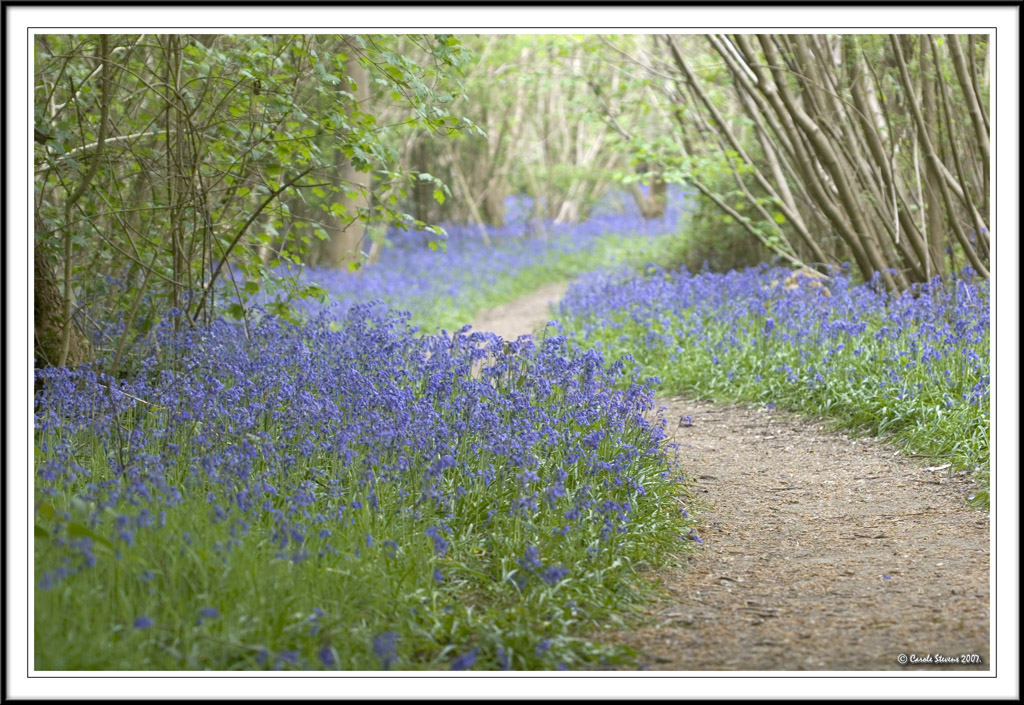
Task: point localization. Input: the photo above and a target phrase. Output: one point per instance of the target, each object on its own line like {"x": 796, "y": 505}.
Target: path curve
{"x": 523, "y": 316}
{"x": 820, "y": 551}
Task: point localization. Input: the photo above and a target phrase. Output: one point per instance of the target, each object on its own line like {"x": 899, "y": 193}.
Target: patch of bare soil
{"x": 820, "y": 551}
{"x": 522, "y": 316}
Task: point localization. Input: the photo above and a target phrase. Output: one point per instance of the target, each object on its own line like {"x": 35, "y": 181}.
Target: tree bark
{"x": 977, "y": 218}
{"x": 885, "y": 161}
{"x": 49, "y": 314}
{"x": 859, "y": 232}
{"x": 785, "y": 199}
{"x": 933, "y": 160}
{"x": 933, "y": 205}
{"x": 346, "y": 234}
{"x": 973, "y": 102}
{"x": 651, "y": 204}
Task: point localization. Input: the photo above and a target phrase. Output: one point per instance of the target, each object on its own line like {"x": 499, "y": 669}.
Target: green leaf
{"x": 439, "y": 195}
{"x": 243, "y": 191}
{"x": 236, "y": 311}
{"x": 82, "y": 531}
{"x": 40, "y": 532}
{"x": 354, "y": 265}
{"x": 779, "y": 218}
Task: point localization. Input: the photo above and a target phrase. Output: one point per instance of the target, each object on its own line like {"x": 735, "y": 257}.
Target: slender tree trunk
{"x": 785, "y": 201}
{"x": 782, "y": 104}
{"x": 859, "y": 231}
{"x": 969, "y": 189}
{"x": 651, "y": 203}
{"x": 978, "y": 119}
{"x": 933, "y": 160}
{"x": 346, "y": 234}
{"x": 932, "y": 201}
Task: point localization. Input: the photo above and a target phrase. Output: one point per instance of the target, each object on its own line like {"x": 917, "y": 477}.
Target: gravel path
{"x": 820, "y": 551}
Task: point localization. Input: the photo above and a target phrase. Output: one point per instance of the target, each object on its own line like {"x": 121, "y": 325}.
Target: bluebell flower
{"x": 553, "y": 575}
{"x": 385, "y": 646}
{"x": 531, "y": 559}
{"x": 326, "y": 656}
{"x": 208, "y": 613}
{"x": 465, "y": 661}
{"x": 440, "y": 545}
{"x": 289, "y": 657}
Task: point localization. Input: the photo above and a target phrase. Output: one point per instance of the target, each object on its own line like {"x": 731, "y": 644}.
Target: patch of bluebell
{"x": 303, "y": 443}
{"x": 889, "y": 360}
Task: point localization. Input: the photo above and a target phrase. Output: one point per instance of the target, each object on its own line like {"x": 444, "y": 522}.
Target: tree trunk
{"x": 933, "y": 160}
{"x": 651, "y": 204}
{"x": 935, "y": 227}
{"x": 345, "y": 235}
{"x": 48, "y": 319}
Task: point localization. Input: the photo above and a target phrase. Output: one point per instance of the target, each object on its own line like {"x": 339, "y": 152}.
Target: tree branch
{"x": 241, "y": 231}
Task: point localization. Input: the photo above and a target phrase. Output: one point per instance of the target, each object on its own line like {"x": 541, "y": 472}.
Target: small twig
{"x": 130, "y": 396}
{"x": 238, "y": 236}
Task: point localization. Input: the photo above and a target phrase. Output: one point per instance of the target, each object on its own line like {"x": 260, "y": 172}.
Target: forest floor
{"x": 522, "y": 316}
{"x": 820, "y": 551}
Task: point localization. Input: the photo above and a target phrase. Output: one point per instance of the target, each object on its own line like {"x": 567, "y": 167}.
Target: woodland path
{"x": 820, "y": 551}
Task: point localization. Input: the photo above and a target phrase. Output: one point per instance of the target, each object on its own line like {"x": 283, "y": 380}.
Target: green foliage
{"x": 220, "y": 150}
{"x": 717, "y": 240}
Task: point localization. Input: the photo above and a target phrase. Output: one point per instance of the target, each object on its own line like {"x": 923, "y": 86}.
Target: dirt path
{"x": 820, "y": 552}
{"x": 522, "y": 316}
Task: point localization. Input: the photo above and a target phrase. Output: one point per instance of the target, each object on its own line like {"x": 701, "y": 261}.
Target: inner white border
{"x": 546, "y": 20}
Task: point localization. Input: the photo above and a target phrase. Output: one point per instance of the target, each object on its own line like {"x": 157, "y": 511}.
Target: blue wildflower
{"x": 553, "y": 575}
{"x": 288, "y": 657}
{"x": 465, "y": 661}
{"x": 440, "y": 545}
{"x": 326, "y": 656}
{"x": 385, "y": 646}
